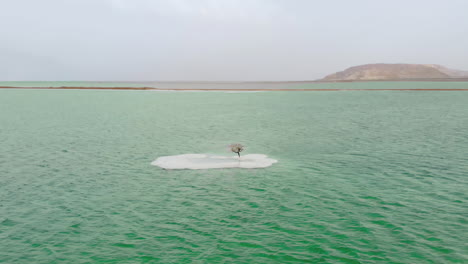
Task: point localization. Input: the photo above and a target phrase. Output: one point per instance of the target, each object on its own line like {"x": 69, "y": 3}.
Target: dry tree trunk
{"x": 237, "y": 148}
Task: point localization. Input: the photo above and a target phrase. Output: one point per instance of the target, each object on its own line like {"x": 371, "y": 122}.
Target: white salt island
{"x": 206, "y": 161}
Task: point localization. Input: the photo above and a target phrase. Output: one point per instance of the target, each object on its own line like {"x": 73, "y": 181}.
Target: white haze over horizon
{"x": 223, "y": 40}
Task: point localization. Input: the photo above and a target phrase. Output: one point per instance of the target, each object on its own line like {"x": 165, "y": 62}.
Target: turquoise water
{"x": 252, "y": 85}
{"x": 362, "y": 177}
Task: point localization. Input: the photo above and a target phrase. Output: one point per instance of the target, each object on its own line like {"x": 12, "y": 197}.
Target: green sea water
{"x": 362, "y": 177}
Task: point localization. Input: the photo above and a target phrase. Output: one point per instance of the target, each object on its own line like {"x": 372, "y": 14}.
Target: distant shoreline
{"x": 221, "y": 90}
{"x": 397, "y": 80}
{"x": 265, "y": 82}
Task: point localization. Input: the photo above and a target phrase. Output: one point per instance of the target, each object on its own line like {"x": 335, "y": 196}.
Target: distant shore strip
{"x": 225, "y": 90}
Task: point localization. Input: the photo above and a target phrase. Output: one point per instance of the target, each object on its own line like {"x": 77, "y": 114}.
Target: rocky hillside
{"x": 382, "y": 71}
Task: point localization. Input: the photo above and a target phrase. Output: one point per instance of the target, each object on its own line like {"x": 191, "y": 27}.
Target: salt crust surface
{"x": 206, "y": 161}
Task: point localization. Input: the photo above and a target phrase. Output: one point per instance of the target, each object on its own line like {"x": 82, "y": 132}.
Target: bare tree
{"x": 237, "y": 148}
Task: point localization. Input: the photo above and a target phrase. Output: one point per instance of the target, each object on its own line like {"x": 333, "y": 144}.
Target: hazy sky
{"x": 224, "y": 39}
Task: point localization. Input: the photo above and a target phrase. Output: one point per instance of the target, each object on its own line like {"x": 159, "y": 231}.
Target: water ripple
{"x": 363, "y": 178}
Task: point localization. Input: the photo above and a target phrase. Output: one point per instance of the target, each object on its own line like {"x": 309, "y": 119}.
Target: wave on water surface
{"x": 206, "y": 161}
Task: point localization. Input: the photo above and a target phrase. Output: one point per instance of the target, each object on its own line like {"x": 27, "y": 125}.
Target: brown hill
{"x": 382, "y": 71}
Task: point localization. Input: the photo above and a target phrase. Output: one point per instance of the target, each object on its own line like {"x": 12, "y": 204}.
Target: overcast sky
{"x": 223, "y": 40}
